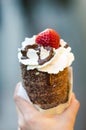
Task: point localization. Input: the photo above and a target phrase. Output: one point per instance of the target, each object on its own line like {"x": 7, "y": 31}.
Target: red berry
{"x": 48, "y": 37}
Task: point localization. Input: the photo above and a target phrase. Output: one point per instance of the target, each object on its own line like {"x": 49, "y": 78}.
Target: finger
{"x": 72, "y": 110}
{"x": 19, "y": 128}
{"x": 22, "y": 104}
{"x": 20, "y": 117}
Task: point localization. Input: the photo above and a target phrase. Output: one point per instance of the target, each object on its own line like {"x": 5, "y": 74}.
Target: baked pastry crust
{"x": 46, "y": 90}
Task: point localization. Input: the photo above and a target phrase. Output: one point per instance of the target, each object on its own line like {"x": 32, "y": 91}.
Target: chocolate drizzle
{"x": 38, "y": 49}
{"x": 24, "y": 54}
{"x": 51, "y": 54}
{"x": 66, "y": 46}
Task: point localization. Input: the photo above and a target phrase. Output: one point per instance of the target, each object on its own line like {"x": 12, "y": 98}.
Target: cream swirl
{"x": 62, "y": 57}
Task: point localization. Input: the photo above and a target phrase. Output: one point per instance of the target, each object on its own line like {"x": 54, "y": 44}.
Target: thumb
{"x": 72, "y": 110}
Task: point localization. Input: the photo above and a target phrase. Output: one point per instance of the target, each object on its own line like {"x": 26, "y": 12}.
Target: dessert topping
{"x": 37, "y": 53}
{"x": 48, "y": 37}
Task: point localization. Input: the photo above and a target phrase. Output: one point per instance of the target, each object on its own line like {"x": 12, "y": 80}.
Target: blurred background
{"x": 24, "y": 18}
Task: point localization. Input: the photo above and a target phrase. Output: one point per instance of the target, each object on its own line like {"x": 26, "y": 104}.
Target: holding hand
{"x": 31, "y": 119}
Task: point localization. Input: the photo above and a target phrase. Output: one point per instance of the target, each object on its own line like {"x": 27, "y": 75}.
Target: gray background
{"x": 21, "y": 18}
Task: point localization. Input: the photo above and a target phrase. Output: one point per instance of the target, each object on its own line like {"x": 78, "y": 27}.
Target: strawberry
{"x": 48, "y": 37}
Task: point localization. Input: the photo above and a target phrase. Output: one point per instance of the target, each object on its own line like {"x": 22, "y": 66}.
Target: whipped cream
{"x": 62, "y": 58}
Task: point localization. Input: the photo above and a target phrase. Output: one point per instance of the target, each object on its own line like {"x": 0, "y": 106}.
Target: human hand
{"x": 31, "y": 119}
